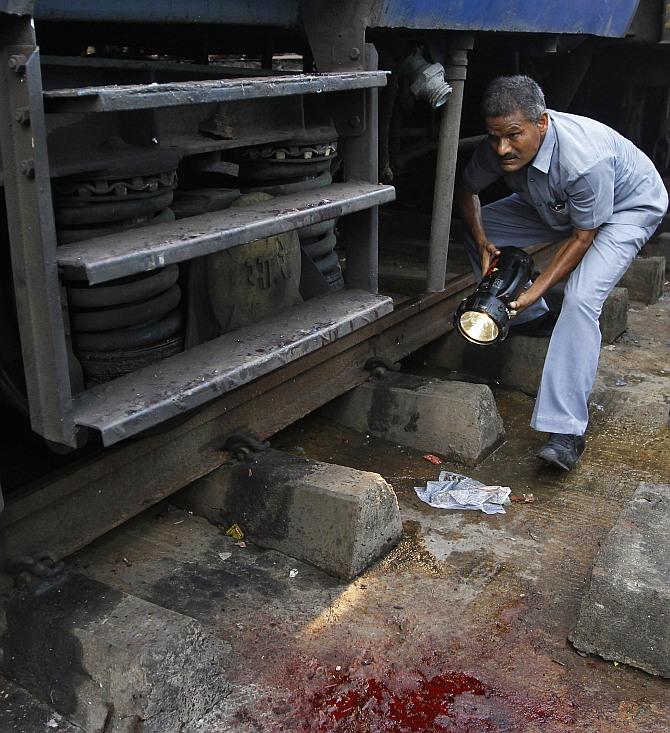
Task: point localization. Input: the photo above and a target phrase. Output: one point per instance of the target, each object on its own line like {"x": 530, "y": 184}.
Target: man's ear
{"x": 543, "y": 123}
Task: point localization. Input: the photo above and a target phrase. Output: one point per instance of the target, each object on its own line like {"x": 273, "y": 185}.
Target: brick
{"x": 454, "y": 353}
{"x": 523, "y": 363}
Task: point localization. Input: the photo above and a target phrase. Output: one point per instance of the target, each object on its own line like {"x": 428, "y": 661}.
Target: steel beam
{"x": 361, "y": 162}
{"x": 110, "y": 257}
{"x": 158, "y": 392}
{"x": 32, "y": 233}
{"x": 117, "y": 98}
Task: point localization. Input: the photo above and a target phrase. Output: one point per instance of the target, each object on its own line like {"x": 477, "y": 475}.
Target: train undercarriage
{"x": 215, "y": 222}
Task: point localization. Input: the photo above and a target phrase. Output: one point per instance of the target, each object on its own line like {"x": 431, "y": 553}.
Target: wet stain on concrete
{"x": 411, "y": 553}
{"x": 382, "y": 406}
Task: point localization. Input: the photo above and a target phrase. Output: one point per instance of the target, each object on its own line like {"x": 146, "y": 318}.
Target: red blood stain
{"x": 370, "y": 705}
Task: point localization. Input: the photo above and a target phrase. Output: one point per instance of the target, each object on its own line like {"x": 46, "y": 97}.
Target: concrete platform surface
{"x": 625, "y": 613}
{"x": 20, "y": 712}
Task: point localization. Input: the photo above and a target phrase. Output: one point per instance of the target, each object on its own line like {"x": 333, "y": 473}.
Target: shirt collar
{"x": 543, "y": 158}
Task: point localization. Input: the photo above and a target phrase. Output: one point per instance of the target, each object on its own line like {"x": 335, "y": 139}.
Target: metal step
{"x": 110, "y": 257}
{"x": 116, "y": 98}
{"x": 147, "y": 397}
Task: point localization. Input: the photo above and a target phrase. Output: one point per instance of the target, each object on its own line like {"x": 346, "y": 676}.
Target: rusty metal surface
{"x": 108, "y": 258}
{"x": 151, "y": 96}
{"x": 158, "y": 392}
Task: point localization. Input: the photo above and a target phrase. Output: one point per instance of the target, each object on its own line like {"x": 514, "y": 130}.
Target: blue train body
{"x": 597, "y": 17}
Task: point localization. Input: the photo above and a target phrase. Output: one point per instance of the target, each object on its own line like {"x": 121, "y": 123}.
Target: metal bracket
{"x": 28, "y": 568}
{"x": 380, "y": 365}
{"x": 32, "y": 232}
{"x": 336, "y": 33}
{"x": 17, "y": 7}
{"x": 244, "y": 444}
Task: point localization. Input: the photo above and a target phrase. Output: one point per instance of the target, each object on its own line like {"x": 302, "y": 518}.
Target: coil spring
{"x": 285, "y": 169}
{"x": 129, "y": 323}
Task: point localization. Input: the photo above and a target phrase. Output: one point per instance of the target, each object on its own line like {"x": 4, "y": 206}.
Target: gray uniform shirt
{"x": 584, "y": 175}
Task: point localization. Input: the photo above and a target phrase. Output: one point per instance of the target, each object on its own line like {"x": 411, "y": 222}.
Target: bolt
{"x": 22, "y": 116}
{"x": 354, "y": 53}
{"x": 355, "y": 121}
{"x": 17, "y": 63}
{"x": 27, "y": 167}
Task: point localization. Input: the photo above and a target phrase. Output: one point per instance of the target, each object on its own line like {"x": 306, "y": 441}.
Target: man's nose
{"x": 503, "y": 147}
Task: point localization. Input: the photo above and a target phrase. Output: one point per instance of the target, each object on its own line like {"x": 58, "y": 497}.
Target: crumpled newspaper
{"x": 455, "y": 491}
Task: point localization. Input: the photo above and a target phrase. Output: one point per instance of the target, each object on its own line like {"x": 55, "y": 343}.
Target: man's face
{"x": 515, "y": 139}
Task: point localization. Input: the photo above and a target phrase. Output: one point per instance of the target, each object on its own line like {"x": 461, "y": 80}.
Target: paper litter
{"x": 455, "y": 491}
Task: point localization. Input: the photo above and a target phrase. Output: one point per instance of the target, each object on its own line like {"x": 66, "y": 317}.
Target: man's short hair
{"x": 506, "y": 95}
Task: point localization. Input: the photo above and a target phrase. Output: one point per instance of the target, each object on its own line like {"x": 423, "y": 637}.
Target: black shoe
{"x": 562, "y": 450}
{"x": 540, "y": 327}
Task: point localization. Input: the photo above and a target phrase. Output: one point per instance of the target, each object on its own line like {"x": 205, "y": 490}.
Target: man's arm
{"x": 563, "y": 263}
{"x": 471, "y": 211}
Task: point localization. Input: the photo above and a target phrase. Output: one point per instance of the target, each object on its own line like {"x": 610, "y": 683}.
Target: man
{"x": 579, "y": 181}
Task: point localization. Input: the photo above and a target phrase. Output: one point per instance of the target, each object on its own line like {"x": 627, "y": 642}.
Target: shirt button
{"x": 532, "y": 180}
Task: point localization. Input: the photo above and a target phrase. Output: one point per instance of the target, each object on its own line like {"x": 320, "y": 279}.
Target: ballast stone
{"x": 455, "y": 419}
{"x": 336, "y": 518}
{"x": 625, "y": 612}
{"x": 109, "y": 661}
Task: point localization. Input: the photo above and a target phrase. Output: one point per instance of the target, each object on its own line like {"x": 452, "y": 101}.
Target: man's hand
{"x": 471, "y": 213}
{"x": 487, "y": 251}
{"x": 569, "y": 255}
{"x": 525, "y": 298}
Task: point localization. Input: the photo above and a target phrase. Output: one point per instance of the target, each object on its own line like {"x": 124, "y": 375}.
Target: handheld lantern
{"x": 483, "y": 317}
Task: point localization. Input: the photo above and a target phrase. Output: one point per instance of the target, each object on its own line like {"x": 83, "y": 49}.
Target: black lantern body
{"x": 483, "y": 317}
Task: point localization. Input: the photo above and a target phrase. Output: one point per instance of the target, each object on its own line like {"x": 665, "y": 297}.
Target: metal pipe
{"x": 447, "y": 152}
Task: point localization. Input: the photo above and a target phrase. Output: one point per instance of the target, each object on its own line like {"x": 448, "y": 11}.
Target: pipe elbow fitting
{"x": 426, "y": 81}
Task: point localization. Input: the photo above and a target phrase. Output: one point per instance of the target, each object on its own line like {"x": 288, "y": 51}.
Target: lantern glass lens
{"x": 478, "y": 327}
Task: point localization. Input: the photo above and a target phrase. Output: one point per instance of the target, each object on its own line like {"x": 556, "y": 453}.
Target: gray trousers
{"x": 572, "y": 359}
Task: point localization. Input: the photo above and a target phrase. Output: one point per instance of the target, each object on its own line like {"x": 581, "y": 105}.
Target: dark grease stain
{"x": 381, "y": 407}
{"x": 201, "y": 589}
{"x": 40, "y": 623}
{"x": 412, "y": 423}
{"x": 262, "y": 494}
